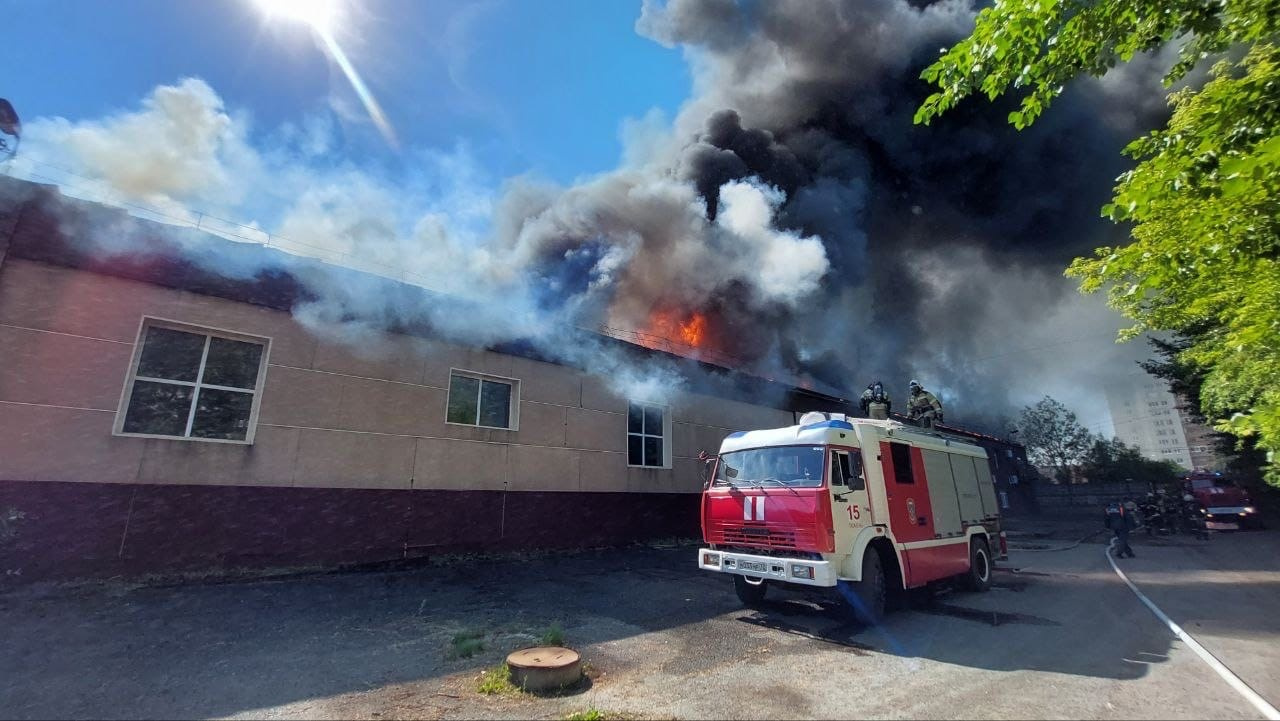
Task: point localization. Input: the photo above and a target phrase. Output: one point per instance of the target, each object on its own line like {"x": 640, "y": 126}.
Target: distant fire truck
{"x": 1225, "y": 505}
{"x": 870, "y": 506}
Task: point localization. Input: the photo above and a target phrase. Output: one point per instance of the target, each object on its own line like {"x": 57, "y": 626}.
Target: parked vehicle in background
{"x": 870, "y": 507}
{"x": 1227, "y": 506}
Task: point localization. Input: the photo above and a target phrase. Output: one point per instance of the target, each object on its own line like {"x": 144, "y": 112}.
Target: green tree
{"x": 1202, "y": 199}
{"x": 1111, "y": 461}
{"x": 1053, "y": 436}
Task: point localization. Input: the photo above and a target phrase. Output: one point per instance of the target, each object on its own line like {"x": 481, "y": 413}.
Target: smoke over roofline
{"x": 46, "y": 226}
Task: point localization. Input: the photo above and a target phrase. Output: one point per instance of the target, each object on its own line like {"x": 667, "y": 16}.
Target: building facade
{"x": 155, "y": 417}
{"x": 1150, "y": 417}
{"x": 1145, "y": 415}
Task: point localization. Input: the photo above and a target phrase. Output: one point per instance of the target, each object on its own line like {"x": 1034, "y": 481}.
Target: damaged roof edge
{"x": 39, "y": 223}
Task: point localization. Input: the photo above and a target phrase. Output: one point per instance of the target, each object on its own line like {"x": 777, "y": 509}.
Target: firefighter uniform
{"x": 875, "y": 402}
{"x": 923, "y": 407}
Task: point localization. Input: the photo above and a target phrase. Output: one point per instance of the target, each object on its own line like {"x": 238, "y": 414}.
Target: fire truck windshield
{"x": 793, "y": 466}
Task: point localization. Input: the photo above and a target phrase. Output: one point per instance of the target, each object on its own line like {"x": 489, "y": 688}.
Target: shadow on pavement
{"x": 217, "y": 650}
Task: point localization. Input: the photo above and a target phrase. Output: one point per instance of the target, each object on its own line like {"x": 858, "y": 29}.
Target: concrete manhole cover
{"x": 544, "y": 668}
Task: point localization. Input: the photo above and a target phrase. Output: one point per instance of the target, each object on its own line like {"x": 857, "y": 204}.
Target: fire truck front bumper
{"x": 790, "y": 570}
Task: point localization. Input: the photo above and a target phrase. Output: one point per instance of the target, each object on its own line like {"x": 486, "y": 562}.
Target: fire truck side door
{"x": 850, "y": 510}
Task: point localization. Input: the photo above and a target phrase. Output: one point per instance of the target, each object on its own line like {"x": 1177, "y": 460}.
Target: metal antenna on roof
{"x": 9, "y": 126}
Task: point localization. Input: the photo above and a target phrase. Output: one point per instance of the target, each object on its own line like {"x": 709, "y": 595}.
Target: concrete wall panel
{"x": 596, "y": 430}
{"x": 303, "y": 398}
{"x": 42, "y": 443}
{"x": 439, "y": 358}
{"x": 543, "y": 469}
{"x": 395, "y": 408}
{"x": 270, "y": 461}
{"x": 383, "y": 356}
{"x": 548, "y": 383}
{"x": 602, "y": 471}
{"x": 543, "y": 425}
{"x": 36, "y": 295}
{"x": 459, "y": 465}
{"x": 338, "y": 459}
{"x": 596, "y": 395}
{"x": 63, "y": 370}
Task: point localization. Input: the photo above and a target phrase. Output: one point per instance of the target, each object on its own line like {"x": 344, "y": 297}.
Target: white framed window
{"x": 648, "y": 435}
{"x": 193, "y": 383}
{"x": 485, "y": 401}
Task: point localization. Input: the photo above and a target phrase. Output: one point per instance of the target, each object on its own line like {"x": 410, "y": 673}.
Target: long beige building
{"x": 157, "y": 415}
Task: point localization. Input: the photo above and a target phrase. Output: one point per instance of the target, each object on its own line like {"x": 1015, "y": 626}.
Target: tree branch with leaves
{"x": 1054, "y": 436}
{"x": 1202, "y": 201}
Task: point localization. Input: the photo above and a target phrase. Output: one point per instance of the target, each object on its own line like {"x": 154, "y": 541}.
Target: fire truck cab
{"x": 870, "y": 507}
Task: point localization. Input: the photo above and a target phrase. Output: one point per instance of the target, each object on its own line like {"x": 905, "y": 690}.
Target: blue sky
{"x": 526, "y": 86}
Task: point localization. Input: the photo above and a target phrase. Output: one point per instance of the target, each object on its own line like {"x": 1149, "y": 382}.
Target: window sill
{"x": 650, "y": 468}
{"x": 122, "y": 434}
{"x": 483, "y": 428}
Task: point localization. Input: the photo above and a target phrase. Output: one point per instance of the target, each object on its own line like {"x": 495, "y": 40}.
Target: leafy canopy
{"x": 1202, "y": 200}
{"x": 1053, "y": 435}
{"x": 1111, "y": 461}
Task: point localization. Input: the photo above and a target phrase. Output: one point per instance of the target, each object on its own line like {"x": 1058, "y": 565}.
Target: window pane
{"x": 463, "y": 392}
{"x": 232, "y": 363}
{"x": 653, "y": 420}
{"x": 171, "y": 354}
{"x": 222, "y": 414}
{"x": 158, "y": 408}
{"x": 635, "y": 418}
{"x": 901, "y": 454}
{"x": 495, "y": 404}
{"x": 652, "y": 451}
{"x": 635, "y": 450}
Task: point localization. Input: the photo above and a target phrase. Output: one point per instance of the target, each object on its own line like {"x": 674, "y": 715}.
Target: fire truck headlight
{"x": 711, "y": 559}
{"x": 802, "y": 572}
{"x": 1250, "y": 509}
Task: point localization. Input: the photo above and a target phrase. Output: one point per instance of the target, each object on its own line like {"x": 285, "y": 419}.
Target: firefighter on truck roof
{"x": 923, "y": 408}
{"x": 875, "y": 402}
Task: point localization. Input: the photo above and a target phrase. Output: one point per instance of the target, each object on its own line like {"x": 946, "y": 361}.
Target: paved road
{"x": 1061, "y": 638}
{"x": 1224, "y": 593}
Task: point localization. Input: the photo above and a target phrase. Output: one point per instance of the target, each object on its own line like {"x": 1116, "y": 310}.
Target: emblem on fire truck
{"x": 759, "y": 508}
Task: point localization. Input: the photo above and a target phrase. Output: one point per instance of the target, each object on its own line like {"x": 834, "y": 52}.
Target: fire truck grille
{"x": 768, "y": 537}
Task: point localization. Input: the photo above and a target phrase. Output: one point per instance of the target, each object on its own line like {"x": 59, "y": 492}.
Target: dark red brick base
{"x": 94, "y": 530}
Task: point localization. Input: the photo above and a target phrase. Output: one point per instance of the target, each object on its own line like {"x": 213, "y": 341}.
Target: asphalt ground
{"x": 1058, "y": 637}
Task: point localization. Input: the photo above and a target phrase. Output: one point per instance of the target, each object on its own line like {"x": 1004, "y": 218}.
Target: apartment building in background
{"x": 1147, "y": 415}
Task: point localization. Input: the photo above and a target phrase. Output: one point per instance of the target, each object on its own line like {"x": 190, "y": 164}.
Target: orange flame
{"x": 691, "y": 331}
{"x": 677, "y": 327}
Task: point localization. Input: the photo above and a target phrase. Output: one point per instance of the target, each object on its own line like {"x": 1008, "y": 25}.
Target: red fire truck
{"x": 1225, "y": 505}
{"x": 869, "y": 506}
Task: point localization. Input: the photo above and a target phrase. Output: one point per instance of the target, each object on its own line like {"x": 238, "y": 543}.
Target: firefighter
{"x": 1120, "y": 522}
{"x": 875, "y": 402}
{"x": 923, "y": 408}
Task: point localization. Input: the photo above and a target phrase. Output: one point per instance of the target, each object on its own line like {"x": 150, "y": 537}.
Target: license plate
{"x": 1223, "y": 526}
{"x": 752, "y": 566}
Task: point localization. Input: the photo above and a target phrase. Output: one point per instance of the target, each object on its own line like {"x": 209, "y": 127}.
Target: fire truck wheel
{"x": 867, "y": 598}
{"x": 751, "y": 594}
{"x": 979, "y": 576}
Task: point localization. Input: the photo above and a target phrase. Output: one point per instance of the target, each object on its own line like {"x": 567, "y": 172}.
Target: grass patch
{"x": 595, "y": 714}
{"x": 553, "y": 636}
{"x": 496, "y": 681}
{"x": 466, "y": 644}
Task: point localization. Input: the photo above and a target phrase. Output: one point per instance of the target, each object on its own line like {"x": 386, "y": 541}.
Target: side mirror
{"x": 708, "y": 460}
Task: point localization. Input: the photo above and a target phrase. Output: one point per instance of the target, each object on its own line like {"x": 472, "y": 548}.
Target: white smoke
{"x": 645, "y": 235}
{"x": 180, "y": 147}
{"x": 782, "y": 266}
